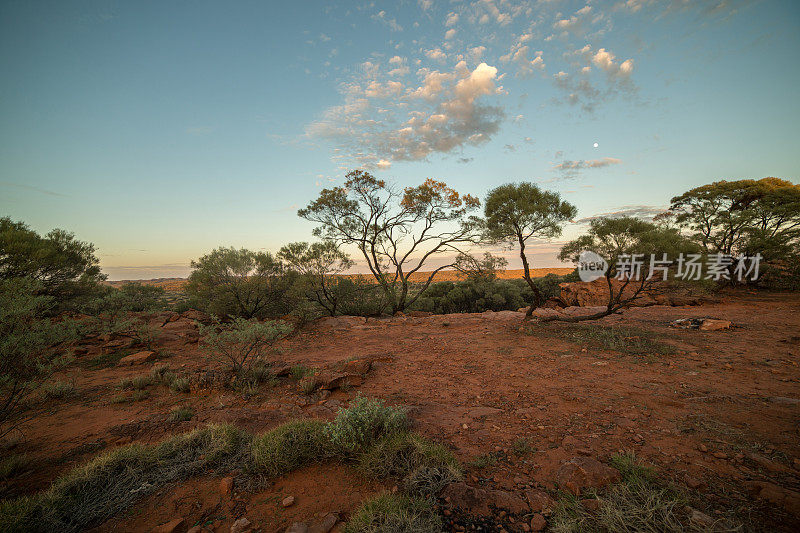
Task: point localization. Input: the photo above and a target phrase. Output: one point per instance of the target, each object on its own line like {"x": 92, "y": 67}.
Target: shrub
{"x": 59, "y": 390}
{"x": 242, "y": 343}
{"x": 91, "y": 494}
{"x": 28, "y": 345}
{"x": 291, "y": 445}
{"x": 365, "y": 421}
{"x": 425, "y": 468}
{"x": 393, "y": 513}
{"x": 136, "y": 382}
{"x": 13, "y": 464}
{"x": 180, "y": 414}
{"x": 240, "y": 283}
{"x": 180, "y": 385}
{"x": 65, "y": 269}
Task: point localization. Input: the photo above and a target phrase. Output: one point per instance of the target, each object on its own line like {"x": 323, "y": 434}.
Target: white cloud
{"x": 452, "y": 20}
{"x": 449, "y": 34}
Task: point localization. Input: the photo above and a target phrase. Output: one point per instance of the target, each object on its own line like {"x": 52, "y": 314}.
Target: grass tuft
{"x": 181, "y": 414}
{"x": 291, "y": 445}
{"x": 59, "y": 390}
{"x": 627, "y": 340}
{"x": 365, "y": 421}
{"x": 393, "y": 513}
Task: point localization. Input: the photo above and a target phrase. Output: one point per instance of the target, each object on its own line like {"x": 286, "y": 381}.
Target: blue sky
{"x": 160, "y": 130}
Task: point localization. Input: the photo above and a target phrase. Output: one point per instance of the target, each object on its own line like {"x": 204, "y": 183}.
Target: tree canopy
{"x": 515, "y": 213}
{"x": 395, "y": 231}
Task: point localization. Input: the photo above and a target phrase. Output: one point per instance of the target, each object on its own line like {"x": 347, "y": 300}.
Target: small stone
{"x": 702, "y": 448}
{"x": 288, "y": 501}
{"x": 169, "y": 527}
{"x": 325, "y": 525}
{"x": 240, "y": 526}
{"x": 297, "y": 527}
{"x": 137, "y": 358}
{"x": 693, "y": 483}
{"x": 225, "y": 486}
{"x": 538, "y": 523}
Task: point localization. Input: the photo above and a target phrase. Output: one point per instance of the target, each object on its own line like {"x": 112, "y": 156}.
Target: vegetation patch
{"x": 290, "y": 446}
{"x": 394, "y": 513}
{"x": 627, "y": 340}
{"x": 364, "y": 422}
{"x": 640, "y": 502}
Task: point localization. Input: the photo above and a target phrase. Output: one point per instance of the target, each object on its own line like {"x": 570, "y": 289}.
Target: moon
{"x": 596, "y": 145}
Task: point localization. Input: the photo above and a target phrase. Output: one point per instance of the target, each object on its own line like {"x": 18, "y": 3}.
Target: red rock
{"x": 467, "y": 498}
{"x": 357, "y": 366}
{"x": 225, "y": 486}
{"x": 786, "y": 498}
{"x": 584, "y": 472}
{"x": 324, "y": 525}
{"x": 288, "y": 501}
{"x": 538, "y": 522}
{"x": 240, "y": 526}
{"x": 540, "y": 501}
{"x": 710, "y": 324}
{"x": 508, "y": 501}
{"x": 137, "y": 358}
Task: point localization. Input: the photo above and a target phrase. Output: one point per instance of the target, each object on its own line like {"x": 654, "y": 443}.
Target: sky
{"x": 161, "y": 130}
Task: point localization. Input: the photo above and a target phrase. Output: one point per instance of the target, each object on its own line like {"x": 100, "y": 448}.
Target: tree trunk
{"x": 526, "y": 274}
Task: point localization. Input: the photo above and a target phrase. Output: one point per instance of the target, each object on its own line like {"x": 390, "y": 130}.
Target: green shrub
{"x": 394, "y": 513}
{"x": 180, "y": 385}
{"x": 91, "y": 494}
{"x": 365, "y": 421}
{"x": 181, "y": 414}
{"x": 136, "y": 382}
{"x": 425, "y": 468}
{"x": 242, "y": 343}
{"x": 290, "y": 446}
{"x": 28, "y": 345}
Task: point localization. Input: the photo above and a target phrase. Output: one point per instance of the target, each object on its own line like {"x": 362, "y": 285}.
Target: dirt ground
{"x": 718, "y": 419}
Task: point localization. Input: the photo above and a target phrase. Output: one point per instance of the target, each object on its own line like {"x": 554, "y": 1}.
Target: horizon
{"x": 159, "y": 132}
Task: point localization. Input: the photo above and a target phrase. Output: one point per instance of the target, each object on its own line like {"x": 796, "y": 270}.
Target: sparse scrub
{"x": 136, "y": 382}
{"x": 394, "y": 513}
{"x": 364, "y": 422}
{"x": 242, "y": 343}
{"x": 627, "y": 340}
{"x": 59, "y": 390}
{"x": 483, "y": 461}
{"x": 13, "y": 464}
{"x": 136, "y": 396}
{"x": 181, "y": 414}
{"x": 639, "y": 503}
{"x": 180, "y": 385}
{"x": 298, "y": 372}
{"x": 425, "y": 468}
{"x": 91, "y": 494}
{"x": 522, "y": 447}
{"x": 291, "y": 445}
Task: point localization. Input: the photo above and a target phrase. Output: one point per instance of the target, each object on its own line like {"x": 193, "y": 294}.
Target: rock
{"x": 469, "y": 499}
{"x": 297, "y": 527}
{"x": 288, "y": 501}
{"x": 693, "y": 483}
{"x": 137, "y": 358}
{"x": 225, "y": 486}
{"x": 170, "y": 527}
{"x": 700, "y": 519}
{"x": 196, "y": 529}
{"x": 240, "y": 526}
{"x": 357, "y": 366}
{"x": 584, "y": 472}
{"x": 324, "y": 525}
{"x": 328, "y": 381}
{"x": 508, "y": 501}
{"x": 540, "y": 501}
{"x": 595, "y": 293}
{"x": 710, "y": 324}
{"x": 538, "y": 522}
{"x": 786, "y": 498}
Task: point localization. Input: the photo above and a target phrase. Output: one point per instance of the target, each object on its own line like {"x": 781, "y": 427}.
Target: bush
{"x": 180, "y": 414}
{"x": 240, "y": 283}
{"x": 425, "y": 468}
{"x": 64, "y": 269}
{"x": 91, "y": 494}
{"x": 290, "y": 446}
{"x": 59, "y": 390}
{"x": 242, "y": 343}
{"x": 27, "y": 345}
{"x": 365, "y": 421}
{"x": 394, "y": 513}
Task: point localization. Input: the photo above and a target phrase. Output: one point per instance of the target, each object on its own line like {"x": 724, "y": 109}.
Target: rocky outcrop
{"x": 581, "y": 473}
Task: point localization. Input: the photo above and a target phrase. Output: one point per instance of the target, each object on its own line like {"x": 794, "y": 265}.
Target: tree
{"x": 396, "y": 232}
{"x": 229, "y": 282}
{"x": 65, "y": 268}
{"x": 479, "y": 268}
{"x": 624, "y": 243}
{"x": 732, "y": 217}
{"x": 320, "y": 264}
{"x": 515, "y": 213}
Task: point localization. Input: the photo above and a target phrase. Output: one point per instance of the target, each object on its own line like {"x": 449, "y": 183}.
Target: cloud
{"x": 391, "y": 23}
{"x": 572, "y": 169}
{"x": 452, "y": 20}
{"x": 449, "y": 34}
{"x": 381, "y": 123}
{"x": 646, "y": 212}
